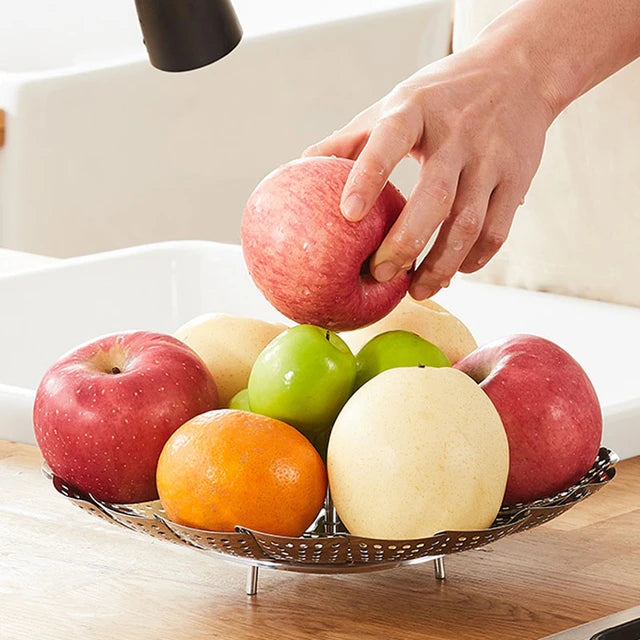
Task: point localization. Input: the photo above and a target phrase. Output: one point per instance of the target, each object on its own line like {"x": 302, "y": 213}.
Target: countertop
{"x": 64, "y": 574}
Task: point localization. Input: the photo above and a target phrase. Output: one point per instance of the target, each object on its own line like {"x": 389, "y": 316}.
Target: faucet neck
{"x": 181, "y": 35}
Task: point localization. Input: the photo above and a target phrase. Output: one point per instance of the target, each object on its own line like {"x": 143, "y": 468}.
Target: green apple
{"x": 428, "y": 319}
{"x": 228, "y": 345}
{"x": 240, "y": 400}
{"x": 393, "y": 349}
{"x": 303, "y": 377}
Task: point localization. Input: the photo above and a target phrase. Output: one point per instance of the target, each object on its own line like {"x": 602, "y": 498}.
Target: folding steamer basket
{"x": 326, "y": 547}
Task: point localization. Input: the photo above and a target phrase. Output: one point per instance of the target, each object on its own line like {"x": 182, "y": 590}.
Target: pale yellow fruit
{"x": 426, "y": 318}
{"x": 229, "y": 345}
{"x": 416, "y": 451}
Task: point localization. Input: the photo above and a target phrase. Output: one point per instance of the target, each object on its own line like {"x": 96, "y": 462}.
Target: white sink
{"x": 154, "y": 287}
{"x": 103, "y": 151}
{"x": 19, "y": 261}
{"x": 48, "y": 310}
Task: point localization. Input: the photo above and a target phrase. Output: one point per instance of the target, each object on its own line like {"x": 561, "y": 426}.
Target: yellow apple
{"x": 415, "y": 451}
{"x": 229, "y": 345}
{"x": 426, "y": 318}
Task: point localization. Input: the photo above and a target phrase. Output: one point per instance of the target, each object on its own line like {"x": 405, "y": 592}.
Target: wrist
{"x": 551, "y": 80}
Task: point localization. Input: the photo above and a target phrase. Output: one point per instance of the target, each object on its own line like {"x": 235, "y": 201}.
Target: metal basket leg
{"x": 331, "y": 517}
{"x": 252, "y": 580}
{"x": 438, "y": 565}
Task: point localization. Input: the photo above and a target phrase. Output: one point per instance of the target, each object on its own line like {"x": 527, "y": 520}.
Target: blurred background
{"x": 103, "y": 151}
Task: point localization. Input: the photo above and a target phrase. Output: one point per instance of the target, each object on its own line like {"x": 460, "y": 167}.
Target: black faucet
{"x": 181, "y": 35}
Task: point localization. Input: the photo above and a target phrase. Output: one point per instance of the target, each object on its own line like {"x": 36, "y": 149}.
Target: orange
{"x": 225, "y": 468}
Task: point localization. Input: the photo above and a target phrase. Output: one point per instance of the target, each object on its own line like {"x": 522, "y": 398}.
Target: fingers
{"x": 348, "y": 141}
{"x": 458, "y": 233}
{"x": 341, "y": 143}
{"x": 428, "y": 205}
{"x": 392, "y": 137}
{"x": 505, "y": 200}
{"x": 470, "y": 237}
{"x": 376, "y": 143}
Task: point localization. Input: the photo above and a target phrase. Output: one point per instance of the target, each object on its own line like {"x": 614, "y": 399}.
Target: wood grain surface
{"x": 65, "y": 574}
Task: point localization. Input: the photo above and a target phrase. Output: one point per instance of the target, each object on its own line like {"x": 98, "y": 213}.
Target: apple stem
{"x": 115, "y": 370}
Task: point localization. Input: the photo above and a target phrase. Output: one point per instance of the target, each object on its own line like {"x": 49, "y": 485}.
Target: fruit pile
{"x": 235, "y": 421}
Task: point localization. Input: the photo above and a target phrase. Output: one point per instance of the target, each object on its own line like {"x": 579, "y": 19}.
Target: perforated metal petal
{"x": 309, "y": 549}
{"x": 318, "y": 550}
{"x": 79, "y": 498}
{"x": 232, "y": 543}
{"x": 141, "y": 517}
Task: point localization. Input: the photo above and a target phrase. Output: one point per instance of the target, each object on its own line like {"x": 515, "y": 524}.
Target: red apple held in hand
{"x": 103, "y": 411}
{"x": 306, "y": 258}
{"x": 549, "y": 409}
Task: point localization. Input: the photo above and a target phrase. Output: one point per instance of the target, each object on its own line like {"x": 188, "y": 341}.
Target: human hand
{"x": 476, "y": 122}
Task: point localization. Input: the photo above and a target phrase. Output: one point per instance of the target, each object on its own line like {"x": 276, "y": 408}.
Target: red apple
{"x": 549, "y": 409}
{"x": 103, "y": 411}
{"x": 306, "y": 258}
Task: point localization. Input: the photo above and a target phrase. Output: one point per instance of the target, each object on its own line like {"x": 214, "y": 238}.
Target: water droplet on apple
{"x": 306, "y": 291}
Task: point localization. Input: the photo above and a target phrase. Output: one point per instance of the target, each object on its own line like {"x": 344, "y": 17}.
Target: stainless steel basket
{"x": 326, "y": 547}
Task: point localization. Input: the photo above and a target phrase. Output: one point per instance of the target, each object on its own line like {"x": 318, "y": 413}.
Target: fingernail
{"x": 422, "y": 292}
{"x": 353, "y": 207}
{"x": 385, "y": 271}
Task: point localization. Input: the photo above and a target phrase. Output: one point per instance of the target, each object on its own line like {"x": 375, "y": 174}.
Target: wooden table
{"x": 65, "y": 574}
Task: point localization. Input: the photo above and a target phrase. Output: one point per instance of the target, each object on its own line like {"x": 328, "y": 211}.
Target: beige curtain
{"x": 578, "y": 232}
